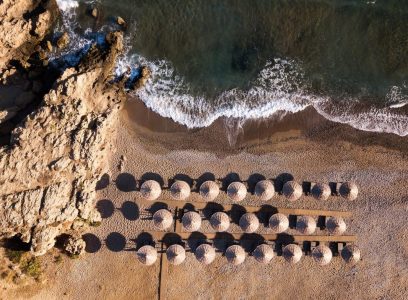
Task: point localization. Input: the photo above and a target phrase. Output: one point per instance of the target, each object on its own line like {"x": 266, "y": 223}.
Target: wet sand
{"x": 309, "y": 148}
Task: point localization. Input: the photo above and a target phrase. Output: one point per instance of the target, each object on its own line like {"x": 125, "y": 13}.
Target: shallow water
{"x": 251, "y": 59}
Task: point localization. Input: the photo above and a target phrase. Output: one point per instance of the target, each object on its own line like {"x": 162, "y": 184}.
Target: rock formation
{"x": 56, "y": 155}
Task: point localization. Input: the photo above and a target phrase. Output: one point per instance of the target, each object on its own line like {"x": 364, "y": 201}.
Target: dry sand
{"x": 321, "y": 151}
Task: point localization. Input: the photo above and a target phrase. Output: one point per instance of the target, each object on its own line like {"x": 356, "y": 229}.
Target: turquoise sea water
{"x": 251, "y": 59}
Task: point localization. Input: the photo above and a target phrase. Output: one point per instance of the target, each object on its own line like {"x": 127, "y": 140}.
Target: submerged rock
{"x": 63, "y": 41}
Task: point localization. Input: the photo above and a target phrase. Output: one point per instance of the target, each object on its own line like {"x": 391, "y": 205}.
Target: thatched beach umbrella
{"x": 147, "y": 255}
{"x": 321, "y": 191}
{"x": 235, "y": 254}
{"x": 278, "y": 223}
{"x": 263, "y": 253}
{"x": 249, "y": 223}
{"x": 349, "y": 190}
{"x": 237, "y": 191}
{"x": 292, "y": 253}
{"x": 209, "y": 190}
{"x": 220, "y": 221}
{"x": 162, "y": 219}
{"x": 205, "y": 254}
{"x": 292, "y": 190}
{"x": 150, "y": 190}
{"x": 265, "y": 190}
{"x": 351, "y": 254}
{"x": 191, "y": 221}
{"x": 336, "y": 225}
{"x": 322, "y": 255}
{"x": 176, "y": 254}
{"x": 180, "y": 190}
{"x": 306, "y": 224}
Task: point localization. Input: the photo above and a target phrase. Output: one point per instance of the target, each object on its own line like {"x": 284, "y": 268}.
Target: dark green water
{"x": 341, "y": 51}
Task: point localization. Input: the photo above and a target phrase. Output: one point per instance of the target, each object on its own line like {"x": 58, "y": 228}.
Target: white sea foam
{"x": 66, "y": 5}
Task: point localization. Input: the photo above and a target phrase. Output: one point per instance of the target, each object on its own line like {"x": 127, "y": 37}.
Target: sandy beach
{"x": 326, "y": 153}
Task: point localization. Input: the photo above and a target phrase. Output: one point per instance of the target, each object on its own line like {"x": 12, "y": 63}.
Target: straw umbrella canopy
{"x": 150, "y": 190}
{"x": 180, "y": 190}
{"x": 237, "y": 191}
{"x": 263, "y": 253}
{"x": 265, "y": 190}
{"x": 292, "y": 190}
{"x": 220, "y": 221}
{"x": 147, "y": 255}
{"x": 176, "y": 254}
{"x": 249, "y": 223}
{"x": 322, "y": 255}
{"x": 278, "y": 223}
{"x": 292, "y": 253}
{"x": 162, "y": 219}
{"x": 235, "y": 254}
{"x": 209, "y": 190}
{"x": 191, "y": 221}
{"x": 205, "y": 254}
{"x": 351, "y": 254}
{"x": 349, "y": 190}
{"x": 321, "y": 191}
{"x": 306, "y": 225}
{"x": 336, "y": 225}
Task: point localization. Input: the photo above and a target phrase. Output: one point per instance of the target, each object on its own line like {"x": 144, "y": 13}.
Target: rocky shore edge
{"x": 57, "y": 153}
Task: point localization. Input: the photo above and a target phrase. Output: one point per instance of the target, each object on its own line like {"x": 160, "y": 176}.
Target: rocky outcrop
{"x": 74, "y": 246}
{"x": 23, "y": 25}
{"x": 49, "y": 172}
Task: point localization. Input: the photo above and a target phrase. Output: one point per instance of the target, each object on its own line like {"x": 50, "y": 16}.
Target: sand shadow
{"x": 130, "y": 210}
{"x": 115, "y": 242}
{"x": 253, "y": 179}
{"x": 228, "y": 179}
{"x": 280, "y": 180}
{"x": 208, "y": 176}
{"x": 126, "y": 182}
{"x": 105, "y": 208}
{"x": 92, "y": 243}
{"x": 15, "y": 243}
{"x": 144, "y": 239}
{"x": 103, "y": 182}
{"x": 152, "y": 176}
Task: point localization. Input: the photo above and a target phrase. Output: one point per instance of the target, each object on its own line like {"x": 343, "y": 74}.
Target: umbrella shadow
{"x": 223, "y": 240}
{"x": 182, "y": 177}
{"x": 282, "y": 240}
{"x": 196, "y": 239}
{"x": 265, "y": 212}
{"x": 203, "y": 178}
{"x": 103, "y": 182}
{"x": 306, "y": 187}
{"x": 236, "y": 213}
{"x": 321, "y": 222}
{"x": 105, "y": 208}
{"x": 228, "y": 179}
{"x": 144, "y": 239}
{"x": 253, "y": 179}
{"x": 211, "y": 208}
{"x": 280, "y": 180}
{"x": 153, "y": 208}
{"x": 126, "y": 182}
{"x": 92, "y": 243}
{"x": 292, "y": 221}
{"x": 172, "y": 238}
{"x": 333, "y": 188}
{"x": 115, "y": 242}
{"x": 130, "y": 210}
{"x": 249, "y": 241}
{"x": 153, "y": 176}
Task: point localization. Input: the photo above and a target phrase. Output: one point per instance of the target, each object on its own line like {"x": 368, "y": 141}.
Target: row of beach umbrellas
{"x": 249, "y": 222}
{"x": 235, "y": 254}
{"x": 237, "y": 191}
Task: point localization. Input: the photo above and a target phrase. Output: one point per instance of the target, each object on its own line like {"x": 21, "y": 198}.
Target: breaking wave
{"x": 279, "y": 88}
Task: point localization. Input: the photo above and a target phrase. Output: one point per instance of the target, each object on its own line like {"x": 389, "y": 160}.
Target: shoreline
{"x": 307, "y": 123}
